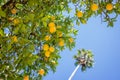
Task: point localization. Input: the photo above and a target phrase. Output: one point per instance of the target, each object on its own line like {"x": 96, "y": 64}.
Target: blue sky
{"x": 105, "y": 44}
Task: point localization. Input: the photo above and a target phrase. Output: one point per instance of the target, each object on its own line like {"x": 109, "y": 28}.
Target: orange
{"x": 45, "y": 47}
{"x": 51, "y": 49}
{"x": 52, "y": 29}
{"x": 61, "y": 42}
{"x": 109, "y": 6}
{"x": 94, "y": 7}
{"x": 16, "y": 21}
{"x": 79, "y": 14}
{"x": 71, "y": 40}
{"x": 26, "y": 77}
{"x": 47, "y": 37}
{"x": 13, "y": 11}
{"x": 14, "y": 39}
{"x": 47, "y": 53}
{"x": 41, "y": 72}
{"x": 51, "y": 24}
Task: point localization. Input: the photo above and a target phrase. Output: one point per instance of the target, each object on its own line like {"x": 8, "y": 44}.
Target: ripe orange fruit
{"x": 71, "y": 40}
{"x": 94, "y": 7}
{"x": 52, "y": 29}
{"x": 47, "y": 37}
{"x": 51, "y": 49}
{"x": 109, "y": 6}
{"x": 45, "y": 47}
{"x": 41, "y": 72}
{"x": 26, "y": 77}
{"x": 61, "y": 42}
{"x": 16, "y": 21}
{"x": 79, "y": 14}
{"x": 13, "y": 11}
{"x": 47, "y": 53}
{"x": 14, "y": 39}
{"x": 51, "y": 24}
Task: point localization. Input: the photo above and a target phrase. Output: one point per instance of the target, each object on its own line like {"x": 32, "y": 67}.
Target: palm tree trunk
{"x": 70, "y": 78}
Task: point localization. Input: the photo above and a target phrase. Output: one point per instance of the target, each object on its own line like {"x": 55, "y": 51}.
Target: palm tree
{"x": 84, "y": 58}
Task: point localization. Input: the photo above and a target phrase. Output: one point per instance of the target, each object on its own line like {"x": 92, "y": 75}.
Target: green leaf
{"x": 31, "y": 16}
{"x": 78, "y": 22}
{"x": 2, "y": 13}
{"x": 23, "y": 41}
{"x": 16, "y": 30}
{"x": 31, "y": 47}
{"x": 1, "y": 55}
{"x": 23, "y": 28}
{"x": 9, "y": 46}
{"x": 83, "y": 21}
{"x": 31, "y": 3}
{"x": 19, "y": 6}
{"x": 1, "y": 32}
{"x": 45, "y": 24}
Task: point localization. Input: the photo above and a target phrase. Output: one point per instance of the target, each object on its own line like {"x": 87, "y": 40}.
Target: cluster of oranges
{"x": 14, "y": 20}
{"x": 48, "y": 49}
{"x": 109, "y": 7}
{"x": 94, "y": 7}
{"x": 52, "y": 27}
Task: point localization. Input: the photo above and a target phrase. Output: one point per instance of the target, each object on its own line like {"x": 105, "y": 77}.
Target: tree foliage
{"x": 33, "y": 32}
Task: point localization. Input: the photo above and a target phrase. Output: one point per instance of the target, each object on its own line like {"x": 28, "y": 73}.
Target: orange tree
{"x": 33, "y": 32}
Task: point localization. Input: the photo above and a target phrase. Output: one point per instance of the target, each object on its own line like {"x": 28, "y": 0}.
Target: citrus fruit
{"x": 94, "y": 7}
{"x": 51, "y": 49}
{"x": 47, "y": 37}
{"x": 109, "y": 6}
{"x": 52, "y": 29}
{"x": 41, "y": 72}
{"x": 61, "y": 42}
{"x": 14, "y": 39}
{"x": 51, "y": 24}
{"x": 47, "y": 53}
{"x": 45, "y": 47}
{"x": 13, "y": 11}
{"x": 16, "y": 21}
{"x": 79, "y": 14}
{"x": 26, "y": 77}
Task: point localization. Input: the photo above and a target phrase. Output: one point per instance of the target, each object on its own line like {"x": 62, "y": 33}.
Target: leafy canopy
{"x": 33, "y": 32}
